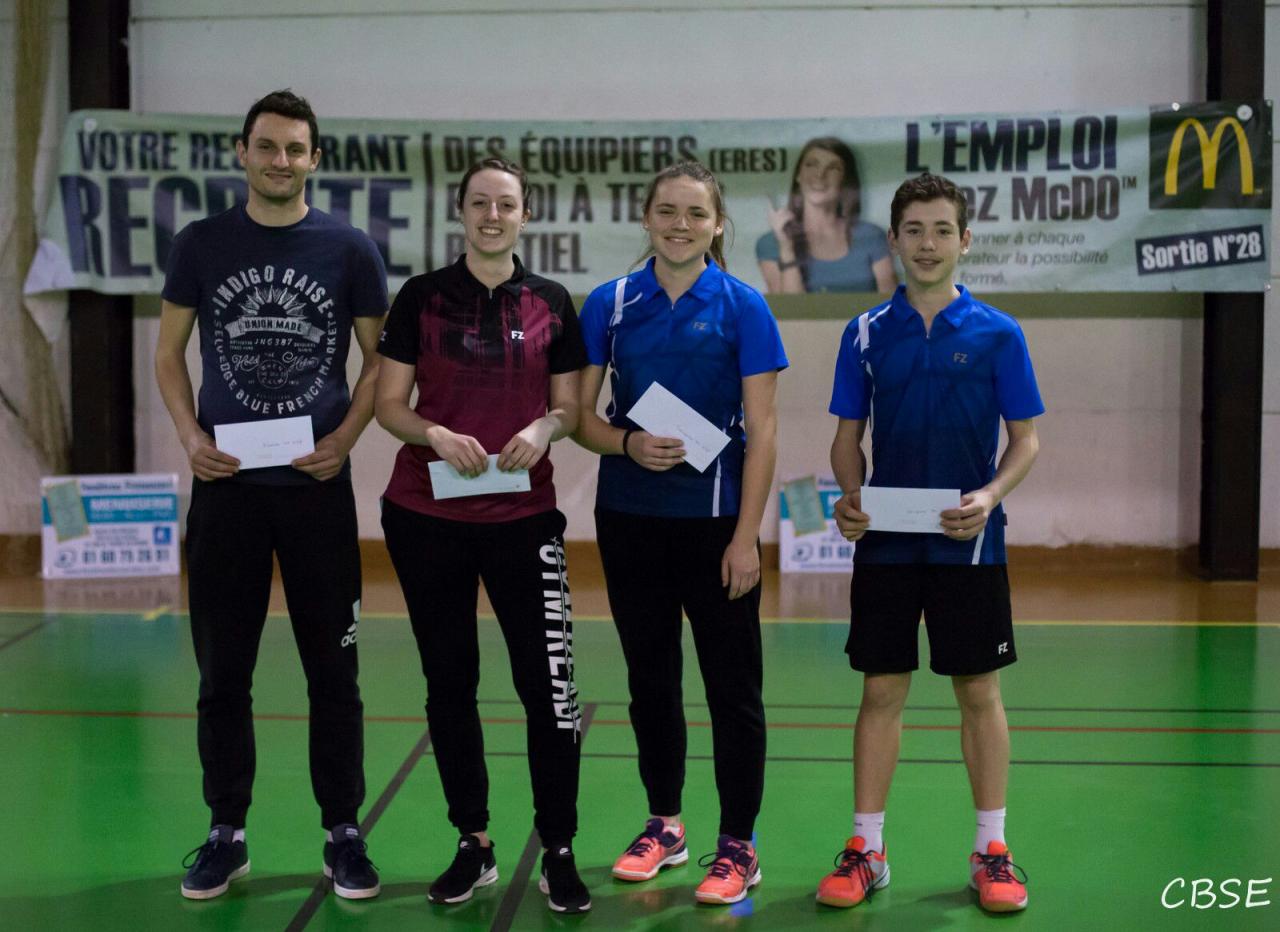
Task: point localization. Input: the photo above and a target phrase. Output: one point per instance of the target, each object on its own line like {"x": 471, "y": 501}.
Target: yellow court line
{"x": 152, "y": 614}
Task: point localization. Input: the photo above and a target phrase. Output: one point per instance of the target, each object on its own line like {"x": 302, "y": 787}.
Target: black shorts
{"x": 966, "y": 610}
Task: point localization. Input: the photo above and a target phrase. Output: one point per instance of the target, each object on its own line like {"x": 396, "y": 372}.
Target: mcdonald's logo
{"x": 1210, "y": 147}
{"x": 1234, "y": 148}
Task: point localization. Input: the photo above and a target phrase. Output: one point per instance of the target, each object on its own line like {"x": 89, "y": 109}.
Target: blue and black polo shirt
{"x": 934, "y": 400}
{"x": 701, "y": 348}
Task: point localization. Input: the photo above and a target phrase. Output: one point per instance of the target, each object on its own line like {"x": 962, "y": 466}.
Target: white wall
{"x": 1121, "y": 439}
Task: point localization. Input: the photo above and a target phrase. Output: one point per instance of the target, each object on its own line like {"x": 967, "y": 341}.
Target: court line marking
{"x": 813, "y": 759}
{"x": 18, "y": 637}
{"x": 1071, "y": 729}
{"x": 514, "y": 894}
{"x": 692, "y": 723}
{"x": 312, "y": 903}
{"x": 773, "y": 620}
{"x": 631, "y": 756}
{"x": 849, "y": 706}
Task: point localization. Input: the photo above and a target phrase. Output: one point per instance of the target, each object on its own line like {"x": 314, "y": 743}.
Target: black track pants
{"x": 232, "y": 530}
{"x": 656, "y": 567}
{"x": 521, "y": 562}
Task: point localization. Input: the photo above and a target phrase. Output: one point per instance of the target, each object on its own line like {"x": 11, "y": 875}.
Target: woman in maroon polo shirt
{"x": 494, "y": 352}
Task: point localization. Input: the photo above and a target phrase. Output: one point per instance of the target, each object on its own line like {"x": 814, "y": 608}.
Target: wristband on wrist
{"x": 625, "y": 451}
{"x": 783, "y": 266}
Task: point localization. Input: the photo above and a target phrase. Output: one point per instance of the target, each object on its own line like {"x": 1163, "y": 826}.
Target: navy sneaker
{"x": 473, "y": 866}
{"x": 566, "y": 893}
{"x": 347, "y": 864}
{"x": 212, "y": 866}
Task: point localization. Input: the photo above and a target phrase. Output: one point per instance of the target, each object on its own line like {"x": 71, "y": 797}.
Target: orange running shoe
{"x": 731, "y": 872}
{"x": 653, "y": 849}
{"x": 858, "y": 874}
{"x": 992, "y": 875}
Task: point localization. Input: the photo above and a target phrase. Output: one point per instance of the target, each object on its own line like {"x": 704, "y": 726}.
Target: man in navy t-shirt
{"x": 276, "y": 288}
{"x": 934, "y": 371}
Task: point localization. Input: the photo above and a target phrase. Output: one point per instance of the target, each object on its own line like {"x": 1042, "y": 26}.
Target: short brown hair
{"x": 283, "y": 103}
{"x": 927, "y": 187}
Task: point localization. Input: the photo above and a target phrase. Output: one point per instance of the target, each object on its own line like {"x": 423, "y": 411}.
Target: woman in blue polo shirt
{"x": 675, "y": 539}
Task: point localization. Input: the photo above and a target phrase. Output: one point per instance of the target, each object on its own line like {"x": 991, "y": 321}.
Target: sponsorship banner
{"x": 806, "y": 547}
{"x": 1172, "y": 197}
{"x": 99, "y": 526}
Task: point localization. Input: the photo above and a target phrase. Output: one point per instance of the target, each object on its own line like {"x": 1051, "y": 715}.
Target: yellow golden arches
{"x": 1209, "y": 147}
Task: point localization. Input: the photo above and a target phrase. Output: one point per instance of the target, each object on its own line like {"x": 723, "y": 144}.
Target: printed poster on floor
{"x": 109, "y": 526}
{"x": 808, "y": 539}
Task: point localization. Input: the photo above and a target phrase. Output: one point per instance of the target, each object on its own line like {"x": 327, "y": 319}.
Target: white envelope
{"x": 275, "y": 442}
{"x": 447, "y": 482}
{"x": 664, "y": 415}
{"x": 909, "y": 510}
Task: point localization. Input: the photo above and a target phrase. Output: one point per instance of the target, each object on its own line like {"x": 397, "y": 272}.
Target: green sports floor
{"x": 1143, "y": 752}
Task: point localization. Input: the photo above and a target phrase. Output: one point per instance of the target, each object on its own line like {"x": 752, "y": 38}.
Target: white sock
{"x": 990, "y": 828}
{"x": 870, "y": 825}
{"x": 238, "y": 836}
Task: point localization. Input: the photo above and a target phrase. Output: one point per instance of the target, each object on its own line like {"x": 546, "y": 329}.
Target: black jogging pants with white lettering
{"x": 440, "y": 564}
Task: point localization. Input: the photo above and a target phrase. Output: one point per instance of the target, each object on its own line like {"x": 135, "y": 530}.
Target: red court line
{"x": 258, "y": 716}
{"x": 825, "y": 726}
{"x": 1070, "y": 728}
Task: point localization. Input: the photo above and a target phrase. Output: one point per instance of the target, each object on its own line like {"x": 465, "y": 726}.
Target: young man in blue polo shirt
{"x": 934, "y": 370}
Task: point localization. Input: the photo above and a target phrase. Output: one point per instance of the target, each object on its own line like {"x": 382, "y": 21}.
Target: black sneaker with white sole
{"x": 473, "y": 866}
{"x": 347, "y": 864}
{"x": 566, "y": 893}
{"x": 213, "y": 865}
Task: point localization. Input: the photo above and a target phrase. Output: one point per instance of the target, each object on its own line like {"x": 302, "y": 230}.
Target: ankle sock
{"x": 990, "y": 828}
{"x": 870, "y": 825}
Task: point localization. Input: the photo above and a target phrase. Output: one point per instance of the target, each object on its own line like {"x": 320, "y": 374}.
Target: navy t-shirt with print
{"x": 483, "y": 361}
{"x": 274, "y": 306}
